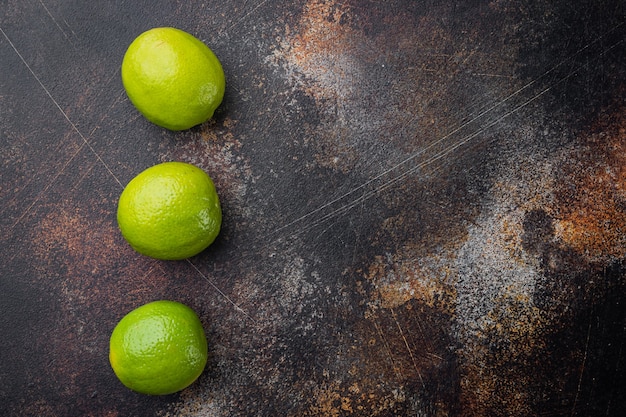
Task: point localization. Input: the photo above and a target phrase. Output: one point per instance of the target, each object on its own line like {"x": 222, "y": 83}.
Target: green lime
{"x": 170, "y": 211}
{"x": 173, "y": 78}
{"x": 158, "y": 348}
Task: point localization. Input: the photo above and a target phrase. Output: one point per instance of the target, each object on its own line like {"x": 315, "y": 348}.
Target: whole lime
{"x": 158, "y": 348}
{"x": 173, "y": 78}
{"x": 170, "y": 211}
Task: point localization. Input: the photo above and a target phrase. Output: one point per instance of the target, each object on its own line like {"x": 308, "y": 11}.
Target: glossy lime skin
{"x": 159, "y": 348}
{"x": 170, "y": 211}
{"x": 173, "y": 78}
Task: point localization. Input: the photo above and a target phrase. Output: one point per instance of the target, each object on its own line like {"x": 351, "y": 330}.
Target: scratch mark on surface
{"x": 244, "y": 17}
{"x": 216, "y": 288}
{"x": 582, "y": 371}
{"x": 85, "y": 175}
{"x": 388, "y": 349}
{"x": 485, "y": 74}
{"x": 408, "y": 348}
{"x": 358, "y": 228}
{"x": 55, "y": 21}
{"x": 105, "y": 114}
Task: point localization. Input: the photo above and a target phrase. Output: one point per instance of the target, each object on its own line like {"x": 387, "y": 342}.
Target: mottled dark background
{"x": 424, "y": 208}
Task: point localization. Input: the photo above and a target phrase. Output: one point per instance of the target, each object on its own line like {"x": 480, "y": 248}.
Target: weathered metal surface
{"x": 424, "y": 203}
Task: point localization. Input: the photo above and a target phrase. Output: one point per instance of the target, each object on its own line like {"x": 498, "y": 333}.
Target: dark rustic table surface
{"x": 424, "y": 208}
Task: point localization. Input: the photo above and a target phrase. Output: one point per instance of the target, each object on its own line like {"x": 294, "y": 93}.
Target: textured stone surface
{"x": 424, "y": 208}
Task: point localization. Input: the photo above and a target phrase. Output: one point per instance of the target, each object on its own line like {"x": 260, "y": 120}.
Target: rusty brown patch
{"x": 401, "y": 361}
{"x": 319, "y": 49}
{"x": 83, "y": 264}
{"x": 590, "y": 209}
{"x": 494, "y": 305}
{"x": 403, "y": 278}
{"x": 329, "y": 402}
{"x": 80, "y": 236}
{"x": 319, "y": 58}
